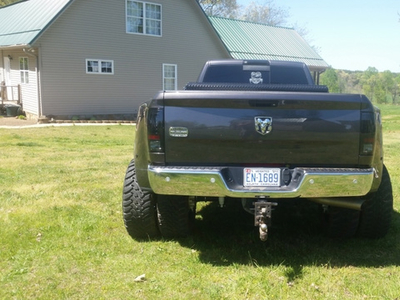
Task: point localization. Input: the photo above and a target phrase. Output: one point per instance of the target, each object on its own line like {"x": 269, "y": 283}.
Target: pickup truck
{"x": 258, "y": 132}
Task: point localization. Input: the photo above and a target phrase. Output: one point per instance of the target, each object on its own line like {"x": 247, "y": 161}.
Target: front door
{"x": 7, "y": 78}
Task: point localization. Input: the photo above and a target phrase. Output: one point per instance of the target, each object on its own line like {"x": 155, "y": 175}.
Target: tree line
{"x": 379, "y": 87}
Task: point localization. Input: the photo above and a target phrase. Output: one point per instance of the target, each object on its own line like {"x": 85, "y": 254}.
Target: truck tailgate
{"x": 261, "y": 128}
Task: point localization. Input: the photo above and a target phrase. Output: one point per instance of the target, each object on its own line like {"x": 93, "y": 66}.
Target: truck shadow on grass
{"x": 227, "y": 236}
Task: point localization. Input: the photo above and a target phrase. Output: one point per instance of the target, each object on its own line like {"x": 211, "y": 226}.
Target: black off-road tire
{"x": 377, "y": 210}
{"x": 340, "y": 222}
{"x": 138, "y": 206}
{"x": 175, "y": 216}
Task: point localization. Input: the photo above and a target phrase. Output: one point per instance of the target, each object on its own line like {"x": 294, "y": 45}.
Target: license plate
{"x": 261, "y": 177}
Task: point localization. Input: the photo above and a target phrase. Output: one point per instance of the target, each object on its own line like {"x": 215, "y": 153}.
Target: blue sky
{"x": 350, "y": 34}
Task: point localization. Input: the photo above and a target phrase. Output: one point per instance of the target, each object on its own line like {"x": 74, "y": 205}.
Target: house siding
{"x": 29, "y": 92}
{"x": 1, "y": 66}
{"x": 96, "y": 30}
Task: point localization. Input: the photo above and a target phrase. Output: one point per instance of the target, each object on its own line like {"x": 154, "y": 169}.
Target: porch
{"x": 11, "y": 102}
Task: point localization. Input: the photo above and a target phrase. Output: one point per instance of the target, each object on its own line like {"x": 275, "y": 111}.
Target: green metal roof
{"x": 22, "y": 23}
{"x": 247, "y": 40}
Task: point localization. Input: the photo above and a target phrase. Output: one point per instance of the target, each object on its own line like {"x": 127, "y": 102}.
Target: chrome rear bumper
{"x": 218, "y": 182}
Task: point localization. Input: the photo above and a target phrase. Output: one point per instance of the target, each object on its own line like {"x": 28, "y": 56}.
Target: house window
{"x": 98, "y": 66}
{"x": 170, "y": 77}
{"x": 143, "y": 18}
{"x": 24, "y": 69}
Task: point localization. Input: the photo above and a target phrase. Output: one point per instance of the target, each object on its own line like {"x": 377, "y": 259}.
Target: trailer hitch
{"x": 262, "y": 217}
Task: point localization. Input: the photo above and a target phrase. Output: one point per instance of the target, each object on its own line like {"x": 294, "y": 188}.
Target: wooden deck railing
{"x": 10, "y": 94}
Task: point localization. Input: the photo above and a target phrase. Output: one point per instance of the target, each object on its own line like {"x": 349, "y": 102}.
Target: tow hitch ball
{"x": 262, "y": 217}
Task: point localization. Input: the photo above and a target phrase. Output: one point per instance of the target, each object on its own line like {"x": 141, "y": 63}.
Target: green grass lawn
{"x": 62, "y": 234}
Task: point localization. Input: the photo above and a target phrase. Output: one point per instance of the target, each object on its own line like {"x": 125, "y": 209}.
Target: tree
{"x": 331, "y": 80}
{"x": 387, "y": 83}
{"x": 267, "y": 13}
{"x": 220, "y": 8}
{"x": 380, "y": 95}
{"x": 369, "y": 82}
{"x": 395, "y": 89}
{"x": 6, "y": 2}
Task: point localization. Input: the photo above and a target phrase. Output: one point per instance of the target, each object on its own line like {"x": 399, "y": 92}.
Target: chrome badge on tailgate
{"x": 181, "y": 132}
{"x": 263, "y": 125}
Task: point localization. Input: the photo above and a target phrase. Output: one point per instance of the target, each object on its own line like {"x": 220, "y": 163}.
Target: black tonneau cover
{"x": 223, "y": 127}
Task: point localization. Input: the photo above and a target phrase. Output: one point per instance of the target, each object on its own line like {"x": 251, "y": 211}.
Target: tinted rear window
{"x": 288, "y": 75}
{"x": 245, "y": 74}
{"x": 232, "y": 74}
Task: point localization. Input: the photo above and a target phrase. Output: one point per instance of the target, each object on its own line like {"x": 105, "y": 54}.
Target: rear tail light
{"x": 156, "y": 129}
{"x": 367, "y": 133}
{"x": 367, "y": 146}
{"x": 155, "y": 143}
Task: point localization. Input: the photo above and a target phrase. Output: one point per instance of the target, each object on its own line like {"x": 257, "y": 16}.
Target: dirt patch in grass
{"x": 15, "y": 121}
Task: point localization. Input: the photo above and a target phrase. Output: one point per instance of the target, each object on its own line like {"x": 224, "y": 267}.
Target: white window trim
{"x": 175, "y": 78}
{"x": 144, "y": 19}
{"x": 25, "y": 71}
{"x": 99, "y": 62}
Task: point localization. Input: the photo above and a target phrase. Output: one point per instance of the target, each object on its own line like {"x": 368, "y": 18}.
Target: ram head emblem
{"x": 263, "y": 125}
